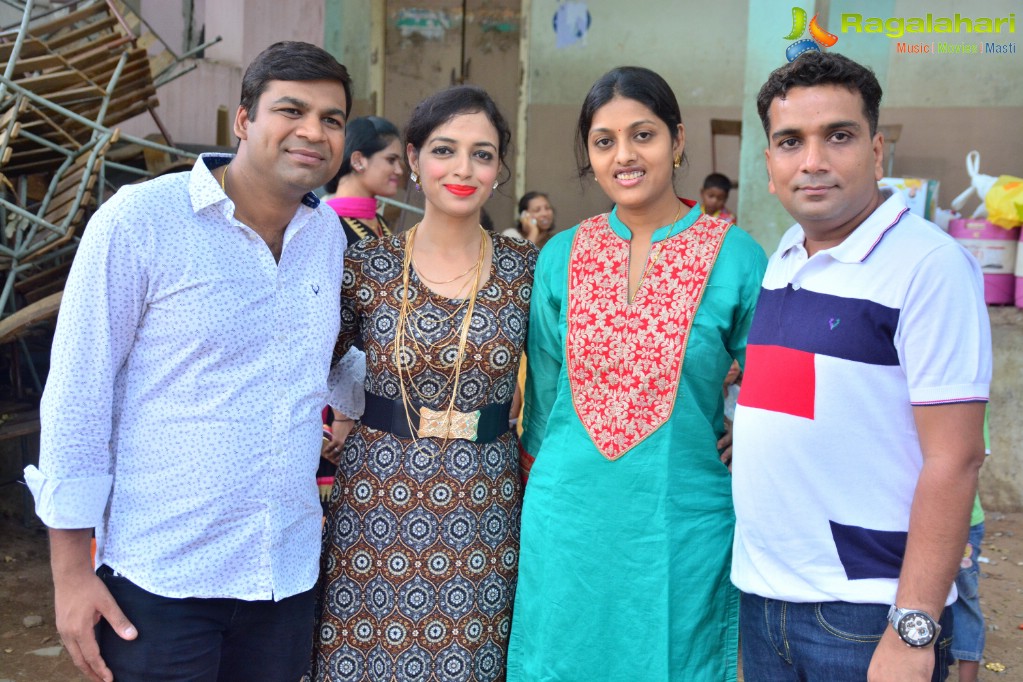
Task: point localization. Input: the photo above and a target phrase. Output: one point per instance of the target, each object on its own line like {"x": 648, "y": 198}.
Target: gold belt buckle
{"x": 448, "y": 425}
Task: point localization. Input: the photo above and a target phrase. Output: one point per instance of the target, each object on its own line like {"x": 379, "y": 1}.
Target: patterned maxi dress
{"x": 420, "y": 543}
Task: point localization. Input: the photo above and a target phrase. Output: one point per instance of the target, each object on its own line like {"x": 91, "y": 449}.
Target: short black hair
{"x": 441, "y": 107}
{"x": 717, "y": 181}
{"x": 822, "y": 68}
{"x": 292, "y": 60}
{"x": 368, "y": 135}
{"x": 631, "y": 82}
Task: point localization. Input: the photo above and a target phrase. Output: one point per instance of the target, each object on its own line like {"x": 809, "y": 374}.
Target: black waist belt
{"x": 384, "y": 414}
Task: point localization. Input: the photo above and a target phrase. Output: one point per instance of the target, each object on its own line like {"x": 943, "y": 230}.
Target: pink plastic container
{"x": 1019, "y": 274}
{"x": 995, "y": 248}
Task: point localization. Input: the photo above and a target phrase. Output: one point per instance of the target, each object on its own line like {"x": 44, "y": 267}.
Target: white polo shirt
{"x": 842, "y": 346}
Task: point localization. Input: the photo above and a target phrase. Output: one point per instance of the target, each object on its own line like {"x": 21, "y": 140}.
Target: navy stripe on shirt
{"x": 848, "y": 328}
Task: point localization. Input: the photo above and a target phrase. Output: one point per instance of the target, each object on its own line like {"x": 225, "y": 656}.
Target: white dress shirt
{"x": 181, "y": 417}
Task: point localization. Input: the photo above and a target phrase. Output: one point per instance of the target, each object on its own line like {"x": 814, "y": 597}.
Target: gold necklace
{"x": 223, "y": 179}
{"x": 402, "y": 336}
{"x": 419, "y": 270}
{"x": 660, "y": 247}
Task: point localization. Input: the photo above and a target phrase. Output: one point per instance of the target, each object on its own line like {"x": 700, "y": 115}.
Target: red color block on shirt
{"x": 779, "y": 379}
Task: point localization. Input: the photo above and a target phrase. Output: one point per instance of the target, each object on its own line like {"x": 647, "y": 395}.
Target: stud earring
{"x": 678, "y": 160}
{"x": 415, "y": 181}
{"x": 496, "y": 183}
{"x": 358, "y": 169}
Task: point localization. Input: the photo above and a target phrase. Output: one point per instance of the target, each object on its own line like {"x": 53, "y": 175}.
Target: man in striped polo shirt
{"x": 858, "y": 434}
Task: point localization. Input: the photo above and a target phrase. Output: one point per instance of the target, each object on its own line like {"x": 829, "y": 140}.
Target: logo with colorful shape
{"x": 818, "y": 36}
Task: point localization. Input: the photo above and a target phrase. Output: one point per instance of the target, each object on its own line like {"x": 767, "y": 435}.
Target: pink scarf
{"x": 360, "y": 208}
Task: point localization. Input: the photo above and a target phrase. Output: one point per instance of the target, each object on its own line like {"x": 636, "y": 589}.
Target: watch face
{"x": 916, "y": 629}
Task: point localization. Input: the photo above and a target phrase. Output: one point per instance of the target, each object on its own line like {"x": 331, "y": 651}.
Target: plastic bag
{"x": 1004, "y": 202}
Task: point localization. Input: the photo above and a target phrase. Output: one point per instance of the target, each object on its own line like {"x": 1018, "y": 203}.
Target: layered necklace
{"x": 407, "y": 346}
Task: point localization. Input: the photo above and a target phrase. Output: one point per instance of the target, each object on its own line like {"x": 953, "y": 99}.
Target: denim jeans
{"x": 831, "y": 641}
{"x": 968, "y": 640}
{"x": 207, "y": 640}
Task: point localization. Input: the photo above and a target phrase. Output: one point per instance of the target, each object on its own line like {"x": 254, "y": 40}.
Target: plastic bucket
{"x": 1019, "y": 274}
{"x": 995, "y": 248}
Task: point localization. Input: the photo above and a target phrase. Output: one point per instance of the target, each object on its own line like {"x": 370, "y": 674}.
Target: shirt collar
{"x": 205, "y": 190}
{"x": 620, "y": 229}
{"x": 862, "y": 241}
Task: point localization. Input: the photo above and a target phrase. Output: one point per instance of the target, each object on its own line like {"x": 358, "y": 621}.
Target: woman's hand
{"x": 529, "y": 227}
{"x": 339, "y": 430}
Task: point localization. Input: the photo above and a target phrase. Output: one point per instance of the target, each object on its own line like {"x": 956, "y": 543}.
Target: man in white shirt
{"x": 858, "y": 431}
{"x": 181, "y": 416}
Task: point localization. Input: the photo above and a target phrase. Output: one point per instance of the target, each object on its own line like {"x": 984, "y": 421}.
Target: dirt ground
{"x": 25, "y": 591}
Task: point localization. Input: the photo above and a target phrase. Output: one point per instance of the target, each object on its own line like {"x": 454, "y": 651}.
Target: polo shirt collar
{"x": 862, "y": 241}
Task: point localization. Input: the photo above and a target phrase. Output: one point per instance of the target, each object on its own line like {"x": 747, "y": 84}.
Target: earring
{"x": 415, "y": 181}
{"x": 496, "y": 183}
{"x": 357, "y": 169}
{"x": 678, "y": 160}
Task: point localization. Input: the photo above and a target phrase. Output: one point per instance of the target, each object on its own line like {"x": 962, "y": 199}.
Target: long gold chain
{"x": 404, "y": 336}
{"x": 660, "y": 247}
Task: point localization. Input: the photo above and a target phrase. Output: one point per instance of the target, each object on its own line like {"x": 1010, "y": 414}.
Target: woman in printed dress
{"x": 421, "y": 536}
{"x": 637, "y": 314}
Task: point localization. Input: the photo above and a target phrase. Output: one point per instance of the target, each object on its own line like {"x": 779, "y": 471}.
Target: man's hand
{"x": 81, "y": 599}
{"x": 725, "y": 449}
{"x": 894, "y": 660}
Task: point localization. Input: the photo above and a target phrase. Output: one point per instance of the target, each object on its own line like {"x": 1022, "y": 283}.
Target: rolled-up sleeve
{"x": 100, "y": 312}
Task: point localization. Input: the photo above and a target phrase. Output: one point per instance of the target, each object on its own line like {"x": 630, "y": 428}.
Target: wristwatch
{"x": 916, "y": 628}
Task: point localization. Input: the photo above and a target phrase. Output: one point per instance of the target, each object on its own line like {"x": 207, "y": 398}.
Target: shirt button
{"x": 796, "y": 286}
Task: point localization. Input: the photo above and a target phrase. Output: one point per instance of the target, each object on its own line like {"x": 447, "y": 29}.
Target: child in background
{"x": 968, "y": 635}
{"x": 714, "y": 195}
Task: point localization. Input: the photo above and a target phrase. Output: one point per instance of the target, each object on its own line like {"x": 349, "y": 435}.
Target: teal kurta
{"x": 624, "y": 564}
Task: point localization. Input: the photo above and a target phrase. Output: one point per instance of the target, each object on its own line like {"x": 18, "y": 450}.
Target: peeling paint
{"x": 426, "y": 23}
{"x": 498, "y": 21}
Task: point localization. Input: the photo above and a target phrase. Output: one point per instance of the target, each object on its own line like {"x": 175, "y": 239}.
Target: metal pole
{"x": 18, "y": 42}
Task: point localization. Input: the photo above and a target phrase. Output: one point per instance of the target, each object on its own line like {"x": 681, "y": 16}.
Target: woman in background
{"x": 371, "y": 167}
{"x": 536, "y": 219}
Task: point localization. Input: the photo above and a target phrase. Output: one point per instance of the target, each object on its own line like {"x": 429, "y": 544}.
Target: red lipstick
{"x": 461, "y": 190}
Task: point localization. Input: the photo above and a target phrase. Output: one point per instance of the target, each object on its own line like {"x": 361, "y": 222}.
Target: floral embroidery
{"x": 625, "y": 360}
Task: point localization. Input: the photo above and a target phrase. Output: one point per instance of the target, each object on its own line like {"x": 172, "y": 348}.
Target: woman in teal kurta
{"x": 636, "y": 317}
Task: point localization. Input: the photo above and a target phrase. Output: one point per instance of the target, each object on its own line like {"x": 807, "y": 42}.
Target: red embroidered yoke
{"x": 624, "y": 359}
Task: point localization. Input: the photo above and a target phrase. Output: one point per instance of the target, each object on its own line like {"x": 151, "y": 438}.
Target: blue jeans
{"x": 831, "y": 641}
{"x": 206, "y": 640}
{"x": 968, "y": 639}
